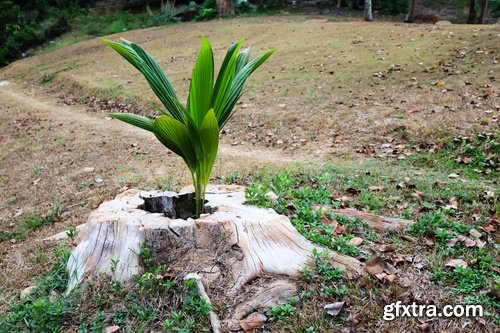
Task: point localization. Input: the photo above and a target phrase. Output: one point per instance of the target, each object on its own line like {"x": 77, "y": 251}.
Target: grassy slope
{"x": 319, "y": 86}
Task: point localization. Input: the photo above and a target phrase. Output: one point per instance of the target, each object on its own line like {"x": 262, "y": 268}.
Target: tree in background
{"x": 471, "y": 19}
{"x": 484, "y": 11}
{"x": 411, "y": 13}
{"x": 225, "y": 7}
{"x": 367, "y": 13}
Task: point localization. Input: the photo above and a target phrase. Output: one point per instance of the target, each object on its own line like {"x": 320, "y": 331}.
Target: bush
{"x": 243, "y": 6}
{"x": 25, "y": 24}
{"x": 207, "y": 10}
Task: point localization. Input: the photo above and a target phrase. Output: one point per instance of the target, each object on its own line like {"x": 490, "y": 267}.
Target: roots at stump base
{"x": 233, "y": 245}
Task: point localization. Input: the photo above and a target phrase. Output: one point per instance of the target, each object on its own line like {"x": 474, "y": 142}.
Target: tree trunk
{"x": 367, "y": 14}
{"x": 472, "y": 18}
{"x": 232, "y": 245}
{"x": 225, "y": 7}
{"x": 411, "y": 13}
{"x": 484, "y": 11}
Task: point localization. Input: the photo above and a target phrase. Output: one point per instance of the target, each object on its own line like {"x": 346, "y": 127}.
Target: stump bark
{"x": 227, "y": 248}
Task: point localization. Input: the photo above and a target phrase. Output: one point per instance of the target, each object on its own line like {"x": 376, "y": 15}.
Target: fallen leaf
{"x": 112, "y": 329}
{"x": 452, "y": 242}
{"x": 489, "y": 228}
{"x": 353, "y": 191}
{"x": 456, "y": 263}
{"x": 327, "y": 221}
{"x": 334, "y": 308}
{"x": 389, "y": 269}
{"x": 424, "y": 327}
{"x": 430, "y": 236}
{"x": 474, "y": 233}
{"x": 386, "y": 248}
{"x": 453, "y": 175}
{"x": 469, "y": 242}
{"x": 452, "y": 204}
{"x": 480, "y": 244}
{"x": 400, "y": 259}
{"x": 376, "y": 188}
{"x": 253, "y": 321}
{"x": 341, "y": 229}
{"x": 375, "y": 265}
{"x": 356, "y": 318}
{"x": 357, "y": 241}
{"x": 392, "y": 278}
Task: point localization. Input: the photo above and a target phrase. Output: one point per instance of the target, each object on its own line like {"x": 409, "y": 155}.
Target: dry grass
{"x": 321, "y": 77}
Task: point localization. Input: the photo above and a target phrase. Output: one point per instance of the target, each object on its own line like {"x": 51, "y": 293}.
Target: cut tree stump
{"x": 233, "y": 245}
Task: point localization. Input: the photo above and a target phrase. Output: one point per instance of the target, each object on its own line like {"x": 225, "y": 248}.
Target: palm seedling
{"x": 192, "y": 131}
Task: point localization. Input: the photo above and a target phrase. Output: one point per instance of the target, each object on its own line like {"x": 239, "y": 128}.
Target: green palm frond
{"x": 192, "y": 131}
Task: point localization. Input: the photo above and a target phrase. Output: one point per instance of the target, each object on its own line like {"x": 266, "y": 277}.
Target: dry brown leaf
{"x": 430, "y": 236}
{"x": 474, "y": 233}
{"x": 469, "y": 242}
{"x": 389, "y": 269}
{"x": 357, "y": 241}
{"x": 480, "y": 244}
{"x": 334, "y": 308}
{"x": 399, "y": 260}
{"x": 112, "y": 329}
{"x": 386, "y": 248}
{"x": 253, "y": 321}
{"x": 489, "y": 228}
{"x": 456, "y": 263}
{"x": 376, "y": 188}
{"x": 341, "y": 229}
{"x": 424, "y": 327}
{"x": 452, "y": 242}
{"x": 375, "y": 265}
{"x": 356, "y": 318}
{"x": 392, "y": 278}
{"x": 326, "y": 220}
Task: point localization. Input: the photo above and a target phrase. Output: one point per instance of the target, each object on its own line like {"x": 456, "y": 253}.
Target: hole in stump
{"x": 174, "y": 206}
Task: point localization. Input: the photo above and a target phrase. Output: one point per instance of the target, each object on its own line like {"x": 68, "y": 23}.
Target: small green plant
{"x": 192, "y": 131}
{"x": 281, "y": 311}
{"x": 40, "y": 311}
{"x": 113, "y": 264}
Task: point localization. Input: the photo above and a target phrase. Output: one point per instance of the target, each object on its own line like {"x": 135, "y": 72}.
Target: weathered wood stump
{"x": 228, "y": 247}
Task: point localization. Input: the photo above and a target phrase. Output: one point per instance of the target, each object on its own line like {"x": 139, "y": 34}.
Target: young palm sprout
{"x": 192, "y": 131}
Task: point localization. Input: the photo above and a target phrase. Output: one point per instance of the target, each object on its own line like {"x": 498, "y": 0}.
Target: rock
{"x": 271, "y": 196}
{"x": 27, "y": 292}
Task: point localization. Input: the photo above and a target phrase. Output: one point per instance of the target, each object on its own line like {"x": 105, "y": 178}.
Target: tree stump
{"x": 232, "y": 245}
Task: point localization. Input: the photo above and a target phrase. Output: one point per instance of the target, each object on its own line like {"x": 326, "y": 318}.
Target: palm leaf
{"x": 136, "y": 120}
{"x": 236, "y": 89}
{"x": 208, "y": 136}
{"x": 225, "y": 77}
{"x": 202, "y": 82}
{"x": 176, "y": 137}
{"x": 155, "y": 77}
